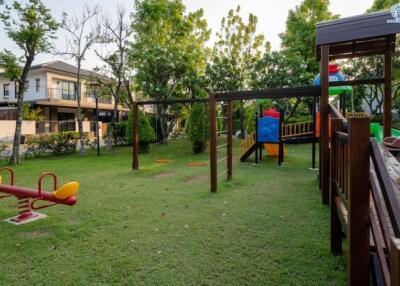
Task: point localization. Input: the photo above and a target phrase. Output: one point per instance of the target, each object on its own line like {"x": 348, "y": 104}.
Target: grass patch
{"x": 162, "y": 226}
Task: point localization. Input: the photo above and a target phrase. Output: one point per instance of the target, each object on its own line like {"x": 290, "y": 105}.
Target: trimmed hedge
{"x": 54, "y": 143}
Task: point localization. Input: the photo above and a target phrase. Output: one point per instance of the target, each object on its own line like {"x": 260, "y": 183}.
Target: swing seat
{"x": 162, "y": 161}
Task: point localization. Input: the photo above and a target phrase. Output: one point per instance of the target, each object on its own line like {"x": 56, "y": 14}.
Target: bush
{"x": 146, "y": 132}
{"x": 53, "y": 143}
{"x": 198, "y": 128}
{"x": 119, "y": 133}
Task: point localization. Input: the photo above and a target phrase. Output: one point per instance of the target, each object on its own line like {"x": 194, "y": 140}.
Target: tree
{"x": 198, "y": 124}
{"x": 81, "y": 35}
{"x": 235, "y": 51}
{"x": 299, "y": 37}
{"x": 116, "y": 33}
{"x": 30, "y": 113}
{"x": 32, "y": 28}
{"x": 277, "y": 70}
{"x": 145, "y": 131}
{"x": 168, "y": 53}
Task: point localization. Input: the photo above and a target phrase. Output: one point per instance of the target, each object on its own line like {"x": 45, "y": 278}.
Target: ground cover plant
{"x": 162, "y": 226}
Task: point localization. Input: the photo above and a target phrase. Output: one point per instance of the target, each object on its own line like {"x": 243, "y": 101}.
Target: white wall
{"x": 7, "y": 129}
{"x": 31, "y": 93}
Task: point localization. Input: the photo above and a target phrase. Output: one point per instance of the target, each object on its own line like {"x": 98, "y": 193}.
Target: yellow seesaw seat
{"x": 67, "y": 190}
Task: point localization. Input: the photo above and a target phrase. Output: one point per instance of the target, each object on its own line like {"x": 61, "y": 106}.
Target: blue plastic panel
{"x": 268, "y": 130}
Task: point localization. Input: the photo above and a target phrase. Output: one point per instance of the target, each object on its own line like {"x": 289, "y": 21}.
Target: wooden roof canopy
{"x": 363, "y": 35}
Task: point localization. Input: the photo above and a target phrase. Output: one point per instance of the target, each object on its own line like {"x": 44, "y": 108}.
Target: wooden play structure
{"x": 354, "y": 170}
{"x": 359, "y": 179}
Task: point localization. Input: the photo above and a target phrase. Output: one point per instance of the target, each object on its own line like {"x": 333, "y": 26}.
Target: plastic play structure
{"x": 29, "y": 199}
{"x": 343, "y": 91}
{"x": 271, "y": 134}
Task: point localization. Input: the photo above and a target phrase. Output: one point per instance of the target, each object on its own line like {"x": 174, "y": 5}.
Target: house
{"x": 52, "y": 88}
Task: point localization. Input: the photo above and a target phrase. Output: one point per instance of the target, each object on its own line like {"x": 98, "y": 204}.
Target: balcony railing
{"x": 59, "y": 94}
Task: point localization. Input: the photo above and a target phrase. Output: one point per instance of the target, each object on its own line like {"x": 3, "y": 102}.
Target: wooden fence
{"x": 363, "y": 202}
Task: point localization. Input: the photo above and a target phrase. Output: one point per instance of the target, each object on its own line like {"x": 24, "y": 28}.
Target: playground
{"x": 163, "y": 226}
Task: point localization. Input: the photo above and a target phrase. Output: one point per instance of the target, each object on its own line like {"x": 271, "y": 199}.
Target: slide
{"x": 377, "y": 130}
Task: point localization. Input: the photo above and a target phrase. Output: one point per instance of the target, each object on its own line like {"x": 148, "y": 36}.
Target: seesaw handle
{"x": 10, "y": 173}
{"x": 40, "y": 181}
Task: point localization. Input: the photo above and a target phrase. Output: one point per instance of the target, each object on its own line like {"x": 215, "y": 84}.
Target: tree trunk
{"x": 79, "y": 111}
{"x": 14, "y": 159}
{"x": 113, "y": 119}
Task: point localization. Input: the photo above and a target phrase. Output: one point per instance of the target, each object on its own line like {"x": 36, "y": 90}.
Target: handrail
{"x": 385, "y": 183}
{"x": 247, "y": 143}
{"x": 336, "y": 113}
{"x": 297, "y": 129}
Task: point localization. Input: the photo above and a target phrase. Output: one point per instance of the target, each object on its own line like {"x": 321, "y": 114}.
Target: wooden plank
{"x": 213, "y": 143}
{"x": 364, "y": 26}
{"x": 230, "y": 143}
{"x": 380, "y": 247}
{"x": 395, "y": 262}
{"x": 389, "y": 195}
{"x": 275, "y": 93}
{"x": 135, "y": 151}
{"x": 387, "y": 101}
{"x": 359, "y": 202}
{"x": 172, "y": 101}
{"x": 324, "y": 107}
{"x": 358, "y": 82}
{"x": 336, "y": 228}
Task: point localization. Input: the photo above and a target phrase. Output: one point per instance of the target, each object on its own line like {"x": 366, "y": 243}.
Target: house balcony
{"x": 60, "y": 98}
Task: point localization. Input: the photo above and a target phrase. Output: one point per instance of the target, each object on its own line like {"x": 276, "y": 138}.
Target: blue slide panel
{"x": 268, "y": 130}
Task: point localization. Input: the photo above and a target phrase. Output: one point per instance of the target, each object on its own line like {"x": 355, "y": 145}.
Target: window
{"x": 6, "y": 91}
{"x": 37, "y": 84}
{"x": 68, "y": 90}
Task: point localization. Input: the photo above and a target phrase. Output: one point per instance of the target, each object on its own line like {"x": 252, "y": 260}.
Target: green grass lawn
{"x": 162, "y": 226}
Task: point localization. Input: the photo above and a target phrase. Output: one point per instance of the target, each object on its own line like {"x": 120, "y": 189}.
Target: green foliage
{"x": 198, "y": 127}
{"x": 238, "y": 46}
{"x": 299, "y": 37}
{"x": 168, "y": 54}
{"x": 382, "y": 5}
{"x": 146, "y": 132}
{"x": 31, "y": 26}
{"x": 119, "y": 133}
{"x": 54, "y": 143}
{"x": 10, "y": 65}
{"x": 30, "y": 113}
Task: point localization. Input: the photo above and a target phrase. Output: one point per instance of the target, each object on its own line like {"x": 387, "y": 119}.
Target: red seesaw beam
{"x": 22, "y": 192}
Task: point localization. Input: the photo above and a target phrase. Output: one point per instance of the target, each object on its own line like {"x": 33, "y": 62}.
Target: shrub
{"x": 119, "y": 133}
{"x": 146, "y": 132}
{"x": 198, "y": 128}
{"x": 53, "y": 143}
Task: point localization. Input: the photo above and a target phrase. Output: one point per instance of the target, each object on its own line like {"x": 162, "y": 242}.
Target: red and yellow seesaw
{"x": 29, "y": 199}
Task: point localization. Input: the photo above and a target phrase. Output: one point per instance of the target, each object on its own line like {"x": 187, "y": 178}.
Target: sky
{"x": 271, "y": 15}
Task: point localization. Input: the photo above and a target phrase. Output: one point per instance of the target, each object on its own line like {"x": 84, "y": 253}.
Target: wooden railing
{"x": 247, "y": 143}
{"x": 356, "y": 114}
{"x": 363, "y": 202}
{"x": 297, "y": 129}
{"x": 384, "y": 220}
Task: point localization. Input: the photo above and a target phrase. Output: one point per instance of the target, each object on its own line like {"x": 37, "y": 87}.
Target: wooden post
{"x": 336, "y": 228}
{"x": 135, "y": 151}
{"x": 358, "y": 202}
{"x": 395, "y": 262}
{"x": 229, "y": 139}
{"x": 281, "y": 151}
{"x": 387, "y": 101}
{"x": 324, "y": 119}
{"x": 213, "y": 144}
